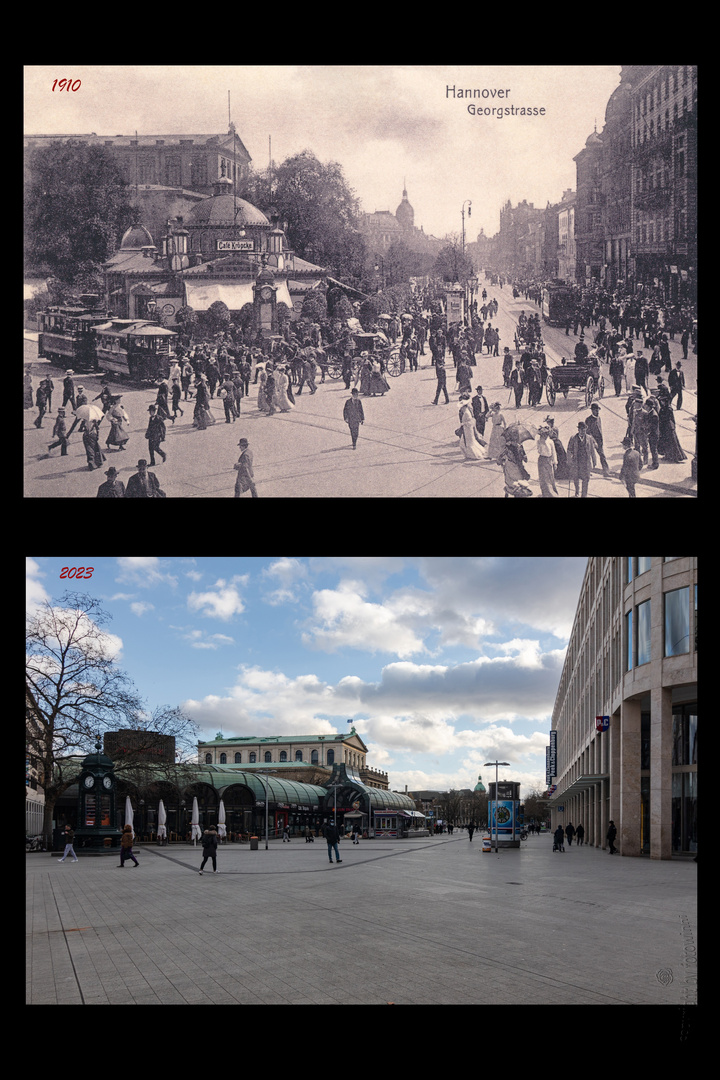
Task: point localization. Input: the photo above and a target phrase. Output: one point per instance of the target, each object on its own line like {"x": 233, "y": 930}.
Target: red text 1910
{"x": 77, "y": 571}
{"x": 67, "y": 84}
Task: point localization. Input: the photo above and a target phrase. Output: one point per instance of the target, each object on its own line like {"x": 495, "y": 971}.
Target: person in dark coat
{"x": 441, "y": 378}
{"x": 143, "y": 484}
{"x": 209, "y": 845}
{"x": 652, "y": 431}
{"x": 112, "y": 488}
{"x": 126, "y": 843}
{"x": 570, "y": 832}
{"x": 91, "y": 442}
{"x": 676, "y": 382}
{"x": 630, "y": 471}
{"x": 353, "y": 415}
{"x": 332, "y": 836}
{"x": 611, "y": 834}
{"x": 559, "y": 839}
{"x": 580, "y": 835}
{"x": 155, "y": 434}
{"x": 60, "y": 434}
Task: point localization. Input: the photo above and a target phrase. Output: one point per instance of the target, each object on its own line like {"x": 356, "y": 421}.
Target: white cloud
{"x": 144, "y": 571}
{"x": 344, "y": 619}
{"x": 139, "y": 608}
{"x": 35, "y": 592}
{"x": 222, "y": 602}
{"x": 290, "y": 574}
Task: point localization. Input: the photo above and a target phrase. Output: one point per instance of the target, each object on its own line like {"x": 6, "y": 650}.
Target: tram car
{"x": 134, "y": 348}
{"x": 558, "y": 304}
{"x": 66, "y": 333}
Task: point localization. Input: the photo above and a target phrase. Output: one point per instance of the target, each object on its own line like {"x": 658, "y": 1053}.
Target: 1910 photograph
{"x": 404, "y": 282}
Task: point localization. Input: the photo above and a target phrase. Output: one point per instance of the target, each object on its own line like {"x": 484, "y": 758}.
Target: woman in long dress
{"x": 281, "y": 400}
{"x": 117, "y": 416}
{"x": 262, "y": 379}
{"x": 470, "y": 442}
{"x": 378, "y": 382}
{"x": 668, "y": 443}
{"x": 497, "y": 443}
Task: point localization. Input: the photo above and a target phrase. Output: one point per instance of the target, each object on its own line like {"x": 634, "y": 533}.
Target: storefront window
{"x": 643, "y": 633}
{"x": 677, "y": 622}
{"x": 684, "y": 811}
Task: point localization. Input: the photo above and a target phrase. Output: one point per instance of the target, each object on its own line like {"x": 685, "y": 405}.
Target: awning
{"x": 235, "y": 294}
{"x": 411, "y": 813}
{"x": 581, "y": 784}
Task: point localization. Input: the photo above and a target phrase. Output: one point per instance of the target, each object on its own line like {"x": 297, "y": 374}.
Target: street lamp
{"x": 496, "y": 764}
{"x": 462, "y": 211}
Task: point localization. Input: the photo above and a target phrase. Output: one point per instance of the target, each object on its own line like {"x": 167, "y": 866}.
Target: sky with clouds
{"x": 440, "y": 663}
{"x": 384, "y": 124}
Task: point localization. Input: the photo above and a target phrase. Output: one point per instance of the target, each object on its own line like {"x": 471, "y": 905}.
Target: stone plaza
{"x": 404, "y": 922}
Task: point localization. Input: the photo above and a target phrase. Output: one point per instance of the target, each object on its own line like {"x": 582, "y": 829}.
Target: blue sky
{"x": 440, "y": 663}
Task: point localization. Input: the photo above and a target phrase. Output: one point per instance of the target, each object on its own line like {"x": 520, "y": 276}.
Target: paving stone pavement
{"x": 408, "y": 922}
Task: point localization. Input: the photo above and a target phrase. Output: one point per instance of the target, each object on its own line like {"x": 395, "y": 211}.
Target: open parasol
{"x": 89, "y": 412}
{"x": 520, "y": 432}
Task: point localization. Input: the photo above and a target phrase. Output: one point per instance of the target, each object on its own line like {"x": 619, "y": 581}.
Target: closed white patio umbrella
{"x": 221, "y": 820}
{"x": 162, "y": 818}
{"x": 129, "y": 813}
{"x": 196, "y": 831}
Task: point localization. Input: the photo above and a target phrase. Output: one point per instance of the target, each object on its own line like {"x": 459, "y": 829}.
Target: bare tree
{"x": 75, "y": 690}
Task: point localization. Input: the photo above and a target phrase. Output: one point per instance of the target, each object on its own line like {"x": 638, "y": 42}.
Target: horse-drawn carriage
{"x": 569, "y": 376}
{"x": 377, "y": 345}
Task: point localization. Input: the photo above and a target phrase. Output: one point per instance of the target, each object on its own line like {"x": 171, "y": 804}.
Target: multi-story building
{"x": 632, "y": 659}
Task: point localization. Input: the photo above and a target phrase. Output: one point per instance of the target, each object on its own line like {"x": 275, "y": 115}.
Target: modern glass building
{"x": 631, "y": 659}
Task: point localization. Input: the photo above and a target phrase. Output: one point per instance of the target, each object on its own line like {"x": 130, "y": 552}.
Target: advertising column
{"x": 503, "y": 809}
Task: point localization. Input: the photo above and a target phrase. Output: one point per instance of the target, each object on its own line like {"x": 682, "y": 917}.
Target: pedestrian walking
{"x": 69, "y": 840}
{"x": 42, "y": 398}
{"x": 245, "y": 480}
{"x": 69, "y": 388}
{"x": 676, "y": 382}
{"x": 60, "y": 434}
{"x": 441, "y": 376}
{"x": 355, "y": 835}
{"x": 471, "y": 830}
{"x": 91, "y": 442}
{"x": 547, "y": 461}
{"x": 580, "y": 835}
{"x": 209, "y": 846}
{"x": 126, "y": 843}
{"x": 651, "y": 421}
{"x": 309, "y": 838}
{"x": 611, "y": 834}
{"x": 155, "y": 434}
{"x": 569, "y": 833}
{"x": 332, "y": 836}
{"x": 630, "y": 471}
{"x": 354, "y": 416}
{"x": 117, "y": 416}
{"x": 593, "y": 426}
{"x": 559, "y": 839}
{"x": 286, "y": 835}
{"x": 581, "y": 457}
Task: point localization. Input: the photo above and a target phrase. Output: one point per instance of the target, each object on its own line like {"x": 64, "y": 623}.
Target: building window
{"x": 330, "y": 757}
{"x": 283, "y": 755}
{"x": 684, "y": 750}
{"x": 298, "y": 755}
{"x": 253, "y": 757}
{"x": 314, "y": 757}
{"x": 268, "y": 756}
{"x": 643, "y": 650}
{"x": 238, "y": 759}
{"x": 208, "y": 759}
{"x": 677, "y": 622}
{"x": 643, "y": 565}
{"x": 629, "y": 632}
{"x": 629, "y": 569}
{"x": 223, "y": 759}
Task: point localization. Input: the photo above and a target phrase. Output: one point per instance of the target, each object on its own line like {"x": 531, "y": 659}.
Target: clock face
{"x": 266, "y": 293}
{"x": 107, "y": 782}
{"x": 89, "y": 781}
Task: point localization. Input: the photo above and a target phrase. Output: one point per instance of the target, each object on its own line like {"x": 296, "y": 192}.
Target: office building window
{"x": 677, "y": 622}
{"x": 643, "y": 565}
{"x": 643, "y": 627}
{"x": 629, "y": 633}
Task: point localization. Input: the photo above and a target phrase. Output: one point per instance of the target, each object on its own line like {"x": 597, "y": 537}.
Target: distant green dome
{"x": 479, "y": 786}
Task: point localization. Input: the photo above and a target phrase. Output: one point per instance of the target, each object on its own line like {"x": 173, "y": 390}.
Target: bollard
{"x": 486, "y": 845}
{"x": 253, "y": 843}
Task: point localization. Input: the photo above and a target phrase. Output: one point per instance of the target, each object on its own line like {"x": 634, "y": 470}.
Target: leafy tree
{"x": 452, "y": 265}
{"x": 76, "y": 210}
{"x": 320, "y": 209}
{"x": 314, "y": 307}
